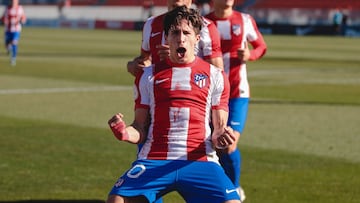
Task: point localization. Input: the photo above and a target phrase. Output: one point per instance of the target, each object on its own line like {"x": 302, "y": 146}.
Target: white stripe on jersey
{"x": 224, "y": 28}
{"x": 181, "y": 78}
{"x": 178, "y": 132}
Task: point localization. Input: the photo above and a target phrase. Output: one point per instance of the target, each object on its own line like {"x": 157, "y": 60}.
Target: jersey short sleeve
{"x": 210, "y": 44}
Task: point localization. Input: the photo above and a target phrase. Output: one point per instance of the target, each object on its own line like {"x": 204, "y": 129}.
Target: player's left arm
{"x": 255, "y": 38}
{"x": 23, "y": 16}
{"x": 223, "y": 136}
{"x": 257, "y": 42}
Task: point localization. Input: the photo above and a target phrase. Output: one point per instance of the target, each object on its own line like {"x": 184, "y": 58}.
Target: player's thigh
{"x": 202, "y": 181}
{"x": 147, "y": 178}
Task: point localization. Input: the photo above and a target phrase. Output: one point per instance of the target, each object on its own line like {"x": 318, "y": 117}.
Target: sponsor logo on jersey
{"x": 161, "y": 81}
{"x": 155, "y": 34}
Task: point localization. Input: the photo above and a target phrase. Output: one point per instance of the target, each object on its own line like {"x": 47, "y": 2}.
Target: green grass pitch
{"x": 300, "y": 145}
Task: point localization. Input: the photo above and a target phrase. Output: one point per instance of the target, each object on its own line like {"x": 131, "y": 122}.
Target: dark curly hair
{"x": 174, "y": 17}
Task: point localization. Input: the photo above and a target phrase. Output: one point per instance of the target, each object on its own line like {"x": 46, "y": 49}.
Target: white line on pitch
{"x": 65, "y": 89}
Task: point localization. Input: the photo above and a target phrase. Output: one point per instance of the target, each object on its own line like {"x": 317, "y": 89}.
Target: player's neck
{"x": 223, "y": 13}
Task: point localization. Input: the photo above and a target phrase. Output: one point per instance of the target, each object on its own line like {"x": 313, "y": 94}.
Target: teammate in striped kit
{"x": 154, "y": 48}
{"x": 181, "y": 94}
{"x": 236, "y": 30}
{"x": 12, "y": 18}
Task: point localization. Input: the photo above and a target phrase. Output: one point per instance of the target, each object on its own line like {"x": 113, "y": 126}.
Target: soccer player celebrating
{"x": 181, "y": 94}
{"x": 236, "y": 30}
{"x": 155, "y": 49}
{"x": 12, "y": 18}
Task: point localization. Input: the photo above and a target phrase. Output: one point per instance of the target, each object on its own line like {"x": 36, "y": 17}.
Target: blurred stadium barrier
{"x": 300, "y": 17}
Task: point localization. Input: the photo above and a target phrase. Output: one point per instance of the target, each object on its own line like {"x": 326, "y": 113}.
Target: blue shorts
{"x": 238, "y": 110}
{"x": 12, "y": 36}
{"x": 195, "y": 181}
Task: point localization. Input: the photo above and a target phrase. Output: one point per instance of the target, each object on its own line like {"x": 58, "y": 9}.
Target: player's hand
{"x": 136, "y": 65}
{"x": 224, "y": 139}
{"x": 244, "y": 53}
{"x": 118, "y": 127}
{"x": 163, "y": 51}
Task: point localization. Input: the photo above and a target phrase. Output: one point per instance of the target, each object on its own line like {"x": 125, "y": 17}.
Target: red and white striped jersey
{"x": 180, "y": 98}
{"x": 12, "y": 18}
{"x": 235, "y": 31}
{"x": 153, "y": 34}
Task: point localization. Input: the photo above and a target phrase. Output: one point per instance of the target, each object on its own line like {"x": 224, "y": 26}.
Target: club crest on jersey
{"x": 236, "y": 29}
{"x": 200, "y": 80}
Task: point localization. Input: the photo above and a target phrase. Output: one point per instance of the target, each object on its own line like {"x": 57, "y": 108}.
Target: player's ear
{"x": 197, "y": 37}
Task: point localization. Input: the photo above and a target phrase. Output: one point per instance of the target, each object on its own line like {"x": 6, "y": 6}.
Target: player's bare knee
{"x": 120, "y": 199}
{"x": 115, "y": 199}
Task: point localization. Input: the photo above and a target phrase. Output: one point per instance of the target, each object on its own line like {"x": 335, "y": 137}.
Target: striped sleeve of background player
{"x": 146, "y": 32}
{"x": 255, "y": 38}
{"x": 210, "y": 43}
{"x": 221, "y": 92}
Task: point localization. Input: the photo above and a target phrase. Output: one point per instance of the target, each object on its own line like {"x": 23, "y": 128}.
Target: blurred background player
{"x": 148, "y": 9}
{"x": 180, "y": 94}
{"x": 236, "y": 30}
{"x": 203, "y": 6}
{"x": 337, "y": 20}
{"x": 13, "y": 18}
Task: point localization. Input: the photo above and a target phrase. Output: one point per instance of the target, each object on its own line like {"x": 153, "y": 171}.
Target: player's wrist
{"x": 120, "y": 132}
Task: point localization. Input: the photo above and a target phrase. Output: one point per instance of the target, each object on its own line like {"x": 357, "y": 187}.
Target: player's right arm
{"x": 137, "y": 131}
{"x": 134, "y": 133}
{"x": 3, "y": 17}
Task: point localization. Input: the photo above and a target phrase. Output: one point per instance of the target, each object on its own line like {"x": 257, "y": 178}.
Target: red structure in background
{"x": 328, "y": 4}
{"x": 263, "y": 4}
{"x": 308, "y": 4}
{"x": 116, "y": 2}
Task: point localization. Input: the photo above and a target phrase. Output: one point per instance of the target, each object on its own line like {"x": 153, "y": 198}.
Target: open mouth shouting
{"x": 181, "y": 52}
